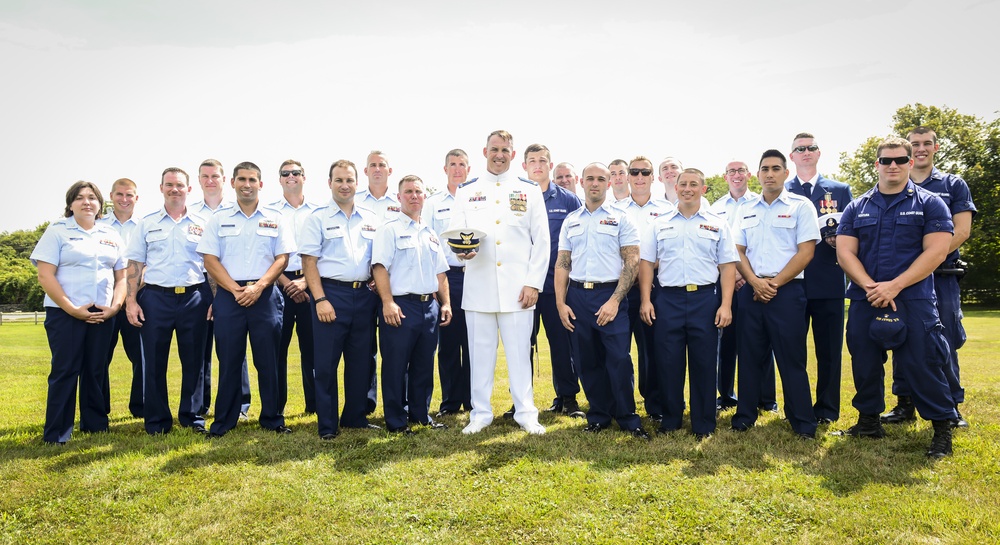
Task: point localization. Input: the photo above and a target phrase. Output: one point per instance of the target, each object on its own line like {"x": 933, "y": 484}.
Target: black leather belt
{"x": 456, "y": 269}
{"x": 422, "y": 297}
{"x": 178, "y": 290}
{"x": 294, "y": 274}
{"x": 592, "y": 285}
{"x": 246, "y": 282}
{"x": 688, "y": 287}
{"x": 355, "y": 284}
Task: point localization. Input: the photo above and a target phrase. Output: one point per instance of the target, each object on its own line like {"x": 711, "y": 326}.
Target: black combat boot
{"x": 941, "y": 443}
{"x": 902, "y": 412}
{"x": 868, "y": 426}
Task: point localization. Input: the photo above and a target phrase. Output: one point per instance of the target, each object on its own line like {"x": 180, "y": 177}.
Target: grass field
{"x": 501, "y": 486}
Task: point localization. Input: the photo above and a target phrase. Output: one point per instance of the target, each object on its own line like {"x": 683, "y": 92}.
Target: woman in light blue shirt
{"x": 82, "y": 270}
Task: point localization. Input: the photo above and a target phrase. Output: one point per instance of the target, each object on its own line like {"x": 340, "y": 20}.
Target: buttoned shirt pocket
{"x": 332, "y": 232}
{"x": 157, "y": 243}
{"x": 784, "y": 222}
{"x": 708, "y": 234}
{"x": 574, "y": 230}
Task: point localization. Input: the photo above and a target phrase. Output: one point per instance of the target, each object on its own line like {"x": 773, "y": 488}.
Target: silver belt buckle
{"x": 588, "y": 285}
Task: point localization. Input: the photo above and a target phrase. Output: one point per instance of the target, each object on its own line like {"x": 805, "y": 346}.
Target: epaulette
{"x": 527, "y": 181}
{"x": 469, "y": 182}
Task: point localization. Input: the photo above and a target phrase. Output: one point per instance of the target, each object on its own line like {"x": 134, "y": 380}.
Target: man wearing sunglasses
{"x": 642, "y": 208}
{"x": 776, "y": 237}
{"x": 824, "y": 279}
{"x": 298, "y": 309}
{"x": 737, "y": 176}
{"x": 889, "y": 241}
{"x": 955, "y": 193}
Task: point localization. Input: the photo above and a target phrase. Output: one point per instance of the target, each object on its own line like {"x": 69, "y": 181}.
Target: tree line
{"x": 970, "y": 148}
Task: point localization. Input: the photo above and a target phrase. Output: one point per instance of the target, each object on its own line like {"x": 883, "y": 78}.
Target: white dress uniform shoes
{"x": 534, "y": 428}
{"x": 474, "y": 427}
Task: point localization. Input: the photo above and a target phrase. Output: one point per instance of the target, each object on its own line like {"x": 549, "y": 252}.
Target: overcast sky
{"x": 98, "y": 90}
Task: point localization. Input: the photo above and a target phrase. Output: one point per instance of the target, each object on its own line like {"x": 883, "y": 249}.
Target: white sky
{"x": 98, "y": 90}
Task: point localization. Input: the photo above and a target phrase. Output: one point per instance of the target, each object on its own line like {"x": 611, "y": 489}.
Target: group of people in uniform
{"x": 698, "y": 285}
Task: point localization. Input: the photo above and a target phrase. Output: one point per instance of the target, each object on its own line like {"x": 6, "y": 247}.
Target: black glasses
{"x": 735, "y": 171}
{"x": 287, "y": 173}
{"x": 886, "y": 161}
{"x": 638, "y": 171}
{"x": 800, "y": 149}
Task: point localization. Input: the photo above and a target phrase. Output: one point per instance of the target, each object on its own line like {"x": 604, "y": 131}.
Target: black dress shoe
{"x": 282, "y": 430}
{"x": 701, "y": 436}
{"x": 594, "y": 427}
{"x": 958, "y": 422}
{"x": 656, "y": 417}
{"x": 404, "y": 430}
{"x": 371, "y": 426}
{"x": 556, "y": 407}
{"x": 572, "y": 408}
{"x": 434, "y": 425}
{"x": 446, "y": 412}
{"x": 640, "y": 433}
{"x": 198, "y": 428}
{"x": 904, "y": 411}
{"x": 824, "y": 420}
{"x": 329, "y": 436}
{"x": 509, "y": 415}
{"x": 806, "y": 436}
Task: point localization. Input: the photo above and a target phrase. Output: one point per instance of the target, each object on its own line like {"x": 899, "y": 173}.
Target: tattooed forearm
{"x": 630, "y": 268}
{"x": 563, "y": 260}
{"x": 132, "y": 277}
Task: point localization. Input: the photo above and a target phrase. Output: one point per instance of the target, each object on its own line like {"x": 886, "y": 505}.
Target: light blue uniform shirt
{"x": 341, "y": 244}
{"x": 169, "y": 249}
{"x": 437, "y": 214}
{"x": 203, "y": 210}
{"x": 385, "y": 209}
{"x": 412, "y": 254}
{"x": 85, "y": 260}
{"x": 126, "y": 229}
{"x": 641, "y": 216}
{"x": 294, "y": 218}
{"x": 689, "y": 251}
{"x": 595, "y": 241}
{"x": 246, "y": 246}
{"x": 725, "y": 207}
{"x": 772, "y": 232}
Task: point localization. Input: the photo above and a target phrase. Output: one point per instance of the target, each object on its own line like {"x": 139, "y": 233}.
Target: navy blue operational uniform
{"x": 175, "y": 299}
{"x": 890, "y": 230}
{"x": 825, "y": 283}
{"x": 340, "y": 248}
{"x": 454, "y": 369}
{"x": 559, "y": 202}
{"x": 128, "y": 333}
{"x": 770, "y": 235}
{"x": 649, "y": 384}
{"x": 413, "y": 256}
{"x": 297, "y": 317}
{"x": 956, "y": 196}
{"x": 594, "y": 241}
{"x": 725, "y": 208}
{"x": 85, "y": 261}
{"x": 690, "y": 253}
{"x": 247, "y": 246}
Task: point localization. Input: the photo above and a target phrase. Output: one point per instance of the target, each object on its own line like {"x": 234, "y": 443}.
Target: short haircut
{"x": 595, "y": 164}
{"x": 567, "y": 164}
{"x": 535, "y": 148}
{"x": 638, "y": 158}
{"x": 291, "y": 162}
{"x": 75, "y": 190}
{"x": 923, "y": 130}
{"x": 457, "y": 152}
{"x": 802, "y": 135}
{"x": 700, "y": 174}
{"x": 380, "y": 153}
{"x": 773, "y": 153}
{"x": 211, "y": 163}
{"x": 246, "y": 165}
{"x": 187, "y": 179}
{"x": 343, "y": 163}
{"x": 504, "y": 135}
{"x": 618, "y": 162}
{"x": 410, "y": 178}
{"x": 893, "y": 142}
{"x": 125, "y": 182}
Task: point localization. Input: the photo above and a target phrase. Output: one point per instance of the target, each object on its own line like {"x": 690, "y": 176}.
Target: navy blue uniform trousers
{"x": 604, "y": 359}
{"x": 777, "y": 326}
{"x": 921, "y": 360}
{"x": 408, "y": 362}
{"x": 687, "y": 339}
{"x": 166, "y": 313}
{"x": 728, "y": 348}
{"x": 79, "y": 353}
{"x": 348, "y": 336}
{"x": 649, "y": 383}
{"x": 207, "y": 375}
{"x": 827, "y": 317}
{"x": 297, "y": 316}
{"x": 262, "y": 321}
{"x": 565, "y": 376}
{"x": 453, "y": 350}
{"x": 133, "y": 351}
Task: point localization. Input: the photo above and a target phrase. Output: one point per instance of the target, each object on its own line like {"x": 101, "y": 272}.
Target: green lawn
{"x": 501, "y": 486}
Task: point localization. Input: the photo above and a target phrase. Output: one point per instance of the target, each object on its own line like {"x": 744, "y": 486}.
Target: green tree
{"x": 18, "y": 277}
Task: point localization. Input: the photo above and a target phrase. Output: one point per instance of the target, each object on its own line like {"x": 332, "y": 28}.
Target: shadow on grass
{"x": 843, "y": 465}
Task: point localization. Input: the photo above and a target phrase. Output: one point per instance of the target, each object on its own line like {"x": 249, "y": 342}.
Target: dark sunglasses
{"x": 287, "y": 173}
{"x": 800, "y": 149}
{"x": 886, "y": 161}
{"x": 638, "y": 171}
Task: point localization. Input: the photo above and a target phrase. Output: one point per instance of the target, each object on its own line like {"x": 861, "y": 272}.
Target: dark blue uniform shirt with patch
{"x": 890, "y": 231}
{"x": 559, "y": 202}
{"x": 955, "y": 194}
